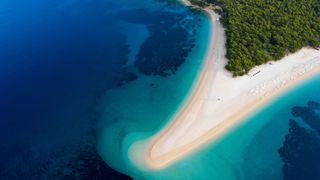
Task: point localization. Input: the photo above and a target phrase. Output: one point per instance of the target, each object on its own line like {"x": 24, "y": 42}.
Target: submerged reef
{"x": 170, "y": 41}
{"x": 301, "y": 147}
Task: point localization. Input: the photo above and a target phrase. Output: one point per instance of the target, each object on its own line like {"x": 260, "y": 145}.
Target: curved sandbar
{"x": 218, "y": 101}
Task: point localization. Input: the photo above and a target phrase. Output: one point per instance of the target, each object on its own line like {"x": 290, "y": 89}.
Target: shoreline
{"x": 218, "y": 102}
{"x": 201, "y": 79}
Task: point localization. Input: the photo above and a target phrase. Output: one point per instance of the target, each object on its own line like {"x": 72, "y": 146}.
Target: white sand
{"x": 218, "y": 101}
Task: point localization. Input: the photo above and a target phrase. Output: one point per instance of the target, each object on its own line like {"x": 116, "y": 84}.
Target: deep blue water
{"x": 57, "y": 58}
{"x": 55, "y": 61}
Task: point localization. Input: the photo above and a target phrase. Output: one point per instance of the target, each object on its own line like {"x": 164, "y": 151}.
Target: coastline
{"x": 218, "y": 102}
{"x": 185, "y": 2}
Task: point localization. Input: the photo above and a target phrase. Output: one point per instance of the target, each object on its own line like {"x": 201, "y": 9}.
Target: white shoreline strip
{"x": 219, "y": 102}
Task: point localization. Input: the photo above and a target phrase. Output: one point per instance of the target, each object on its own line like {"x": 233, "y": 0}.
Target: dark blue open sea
{"x": 58, "y": 58}
{"x": 81, "y": 81}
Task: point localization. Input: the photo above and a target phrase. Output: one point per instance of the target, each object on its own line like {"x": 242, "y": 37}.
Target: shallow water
{"x": 58, "y": 62}
{"x": 141, "y": 107}
{"x": 251, "y": 150}
{"x": 81, "y": 81}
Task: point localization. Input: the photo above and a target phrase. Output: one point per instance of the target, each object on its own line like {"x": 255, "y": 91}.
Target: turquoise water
{"x": 141, "y": 107}
{"x": 249, "y": 151}
{"x": 60, "y": 60}
{"x": 81, "y": 81}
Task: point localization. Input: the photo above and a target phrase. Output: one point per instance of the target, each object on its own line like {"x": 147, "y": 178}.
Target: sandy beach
{"x": 218, "y": 102}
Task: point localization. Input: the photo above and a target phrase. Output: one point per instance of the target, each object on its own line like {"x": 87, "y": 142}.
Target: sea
{"x": 81, "y": 81}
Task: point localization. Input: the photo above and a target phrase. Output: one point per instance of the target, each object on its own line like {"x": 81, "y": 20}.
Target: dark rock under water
{"x": 57, "y": 60}
{"x": 301, "y": 149}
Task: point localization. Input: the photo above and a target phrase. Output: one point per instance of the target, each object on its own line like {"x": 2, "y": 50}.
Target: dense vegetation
{"x": 259, "y": 31}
